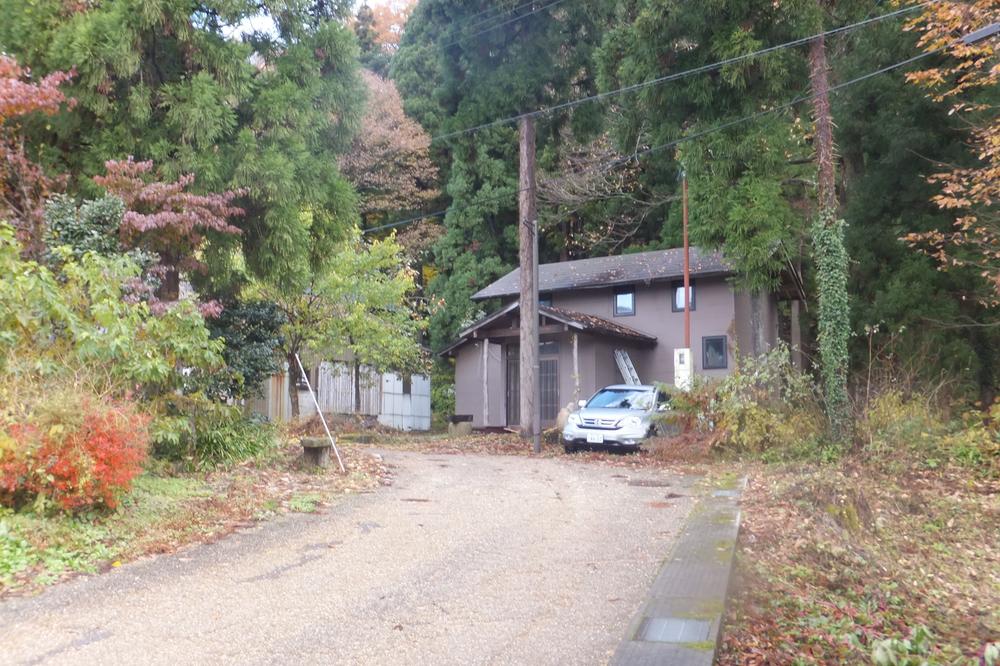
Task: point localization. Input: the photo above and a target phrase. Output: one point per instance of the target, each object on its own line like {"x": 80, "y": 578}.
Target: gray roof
{"x": 642, "y": 267}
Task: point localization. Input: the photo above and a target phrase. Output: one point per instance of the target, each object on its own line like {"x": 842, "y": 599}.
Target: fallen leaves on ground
{"x": 673, "y": 454}
{"x": 833, "y": 552}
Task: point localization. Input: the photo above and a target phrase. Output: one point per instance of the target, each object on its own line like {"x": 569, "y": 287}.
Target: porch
{"x": 576, "y": 357}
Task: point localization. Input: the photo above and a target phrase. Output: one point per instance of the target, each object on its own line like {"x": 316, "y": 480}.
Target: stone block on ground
{"x": 316, "y": 451}
{"x": 460, "y": 429}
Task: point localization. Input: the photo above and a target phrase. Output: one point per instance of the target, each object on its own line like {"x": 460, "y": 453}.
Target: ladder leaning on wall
{"x": 626, "y": 368}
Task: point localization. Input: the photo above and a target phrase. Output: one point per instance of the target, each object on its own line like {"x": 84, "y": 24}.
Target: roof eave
{"x": 479, "y": 296}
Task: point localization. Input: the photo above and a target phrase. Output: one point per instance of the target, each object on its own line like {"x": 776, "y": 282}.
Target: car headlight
{"x": 630, "y": 422}
{"x": 574, "y": 419}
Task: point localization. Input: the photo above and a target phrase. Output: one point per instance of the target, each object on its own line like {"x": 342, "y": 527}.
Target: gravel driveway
{"x": 463, "y": 560}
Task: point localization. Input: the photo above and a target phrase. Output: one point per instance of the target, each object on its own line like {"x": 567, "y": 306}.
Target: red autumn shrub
{"x": 77, "y": 455}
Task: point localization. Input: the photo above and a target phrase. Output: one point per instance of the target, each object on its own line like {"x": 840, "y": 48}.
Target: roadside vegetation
{"x": 875, "y": 548}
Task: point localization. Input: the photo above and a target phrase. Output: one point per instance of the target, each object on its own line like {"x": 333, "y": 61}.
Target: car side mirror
{"x": 581, "y": 403}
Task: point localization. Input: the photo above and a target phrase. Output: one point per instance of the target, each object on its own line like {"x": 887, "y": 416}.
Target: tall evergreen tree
{"x": 747, "y": 183}
{"x": 454, "y": 72}
{"x": 171, "y": 81}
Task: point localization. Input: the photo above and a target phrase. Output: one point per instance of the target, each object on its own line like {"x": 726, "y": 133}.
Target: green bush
{"x": 442, "y": 392}
{"x": 251, "y": 331}
{"x": 893, "y": 422}
{"x": 765, "y": 407}
{"x": 90, "y": 227}
{"x": 201, "y": 433}
{"x": 896, "y": 429}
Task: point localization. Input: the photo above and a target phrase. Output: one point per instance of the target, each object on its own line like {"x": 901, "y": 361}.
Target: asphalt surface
{"x": 463, "y": 560}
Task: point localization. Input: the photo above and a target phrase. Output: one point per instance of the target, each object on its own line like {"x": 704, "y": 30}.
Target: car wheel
{"x": 569, "y": 448}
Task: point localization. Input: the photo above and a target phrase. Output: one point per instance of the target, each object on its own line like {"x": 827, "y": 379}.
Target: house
{"x": 598, "y": 320}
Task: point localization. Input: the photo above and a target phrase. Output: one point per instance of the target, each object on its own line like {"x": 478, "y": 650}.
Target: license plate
{"x": 595, "y": 437}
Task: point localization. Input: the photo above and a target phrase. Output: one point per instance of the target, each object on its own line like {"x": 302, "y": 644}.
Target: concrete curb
{"x": 681, "y": 620}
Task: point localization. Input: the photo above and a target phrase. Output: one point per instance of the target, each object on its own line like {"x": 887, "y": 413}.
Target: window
{"x": 545, "y": 300}
{"x": 715, "y": 355}
{"x": 625, "y": 302}
{"x": 622, "y": 398}
{"x": 548, "y": 348}
{"x": 407, "y": 383}
{"x": 678, "y": 295}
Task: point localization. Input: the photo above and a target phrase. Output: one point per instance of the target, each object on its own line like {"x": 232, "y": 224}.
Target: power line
{"x": 515, "y": 19}
{"x": 498, "y": 12}
{"x": 689, "y": 137}
{"x": 701, "y": 69}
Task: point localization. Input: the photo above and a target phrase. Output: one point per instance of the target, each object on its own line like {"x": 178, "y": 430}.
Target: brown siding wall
{"x": 714, "y": 314}
{"x": 469, "y": 383}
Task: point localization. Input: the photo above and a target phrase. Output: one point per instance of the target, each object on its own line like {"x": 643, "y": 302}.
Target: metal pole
{"x": 687, "y": 264}
{"x": 319, "y": 411}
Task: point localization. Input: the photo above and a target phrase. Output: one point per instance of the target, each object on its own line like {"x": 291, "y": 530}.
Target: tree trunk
{"x": 830, "y": 255}
{"x": 357, "y": 386}
{"x": 758, "y": 336}
{"x": 293, "y": 384}
{"x": 170, "y": 285}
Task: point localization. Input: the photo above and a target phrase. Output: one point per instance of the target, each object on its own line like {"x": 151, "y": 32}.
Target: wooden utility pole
{"x": 528, "y": 255}
{"x": 687, "y": 263}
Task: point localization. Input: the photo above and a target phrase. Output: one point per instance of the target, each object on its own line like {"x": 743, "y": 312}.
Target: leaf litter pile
{"x": 676, "y": 454}
{"x": 835, "y": 558}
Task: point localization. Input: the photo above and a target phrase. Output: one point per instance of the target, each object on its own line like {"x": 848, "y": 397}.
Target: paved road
{"x": 463, "y": 560}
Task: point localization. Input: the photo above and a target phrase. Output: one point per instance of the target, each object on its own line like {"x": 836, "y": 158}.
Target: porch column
{"x": 576, "y": 369}
{"x": 486, "y": 383}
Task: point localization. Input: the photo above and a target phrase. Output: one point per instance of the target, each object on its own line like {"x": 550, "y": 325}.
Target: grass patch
{"x": 164, "y": 512}
{"x": 305, "y": 503}
{"x": 38, "y": 549}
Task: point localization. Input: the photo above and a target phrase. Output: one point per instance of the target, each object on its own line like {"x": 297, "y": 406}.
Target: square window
{"x": 625, "y": 302}
{"x": 715, "y": 353}
{"x": 677, "y": 293}
{"x": 545, "y": 300}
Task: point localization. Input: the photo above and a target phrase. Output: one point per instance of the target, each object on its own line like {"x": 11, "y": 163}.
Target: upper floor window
{"x": 677, "y": 293}
{"x": 545, "y": 300}
{"x": 625, "y": 301}
{"x": 715, "y": 353}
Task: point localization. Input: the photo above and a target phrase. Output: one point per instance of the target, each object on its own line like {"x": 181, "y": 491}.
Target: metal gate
{"x": 548, "y": 370}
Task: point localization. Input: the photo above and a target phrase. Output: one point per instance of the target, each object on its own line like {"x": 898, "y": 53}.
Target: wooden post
{"x": 486, "y": 383}
{"x": 576, "y": 369}
{"x": 528, "y": 255}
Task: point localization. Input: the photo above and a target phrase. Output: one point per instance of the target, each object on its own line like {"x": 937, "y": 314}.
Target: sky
{"x": 264, "y": 24}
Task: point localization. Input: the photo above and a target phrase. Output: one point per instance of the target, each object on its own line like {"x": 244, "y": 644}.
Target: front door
{"x": 548, "y": 371}
{"x": 548, "y": 379}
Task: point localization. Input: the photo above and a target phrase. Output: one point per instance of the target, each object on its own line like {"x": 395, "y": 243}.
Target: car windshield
{"x": 622, "y": 398}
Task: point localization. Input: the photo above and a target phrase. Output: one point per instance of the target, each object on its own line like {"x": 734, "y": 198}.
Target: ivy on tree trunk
{"x": 830, "y": 255}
